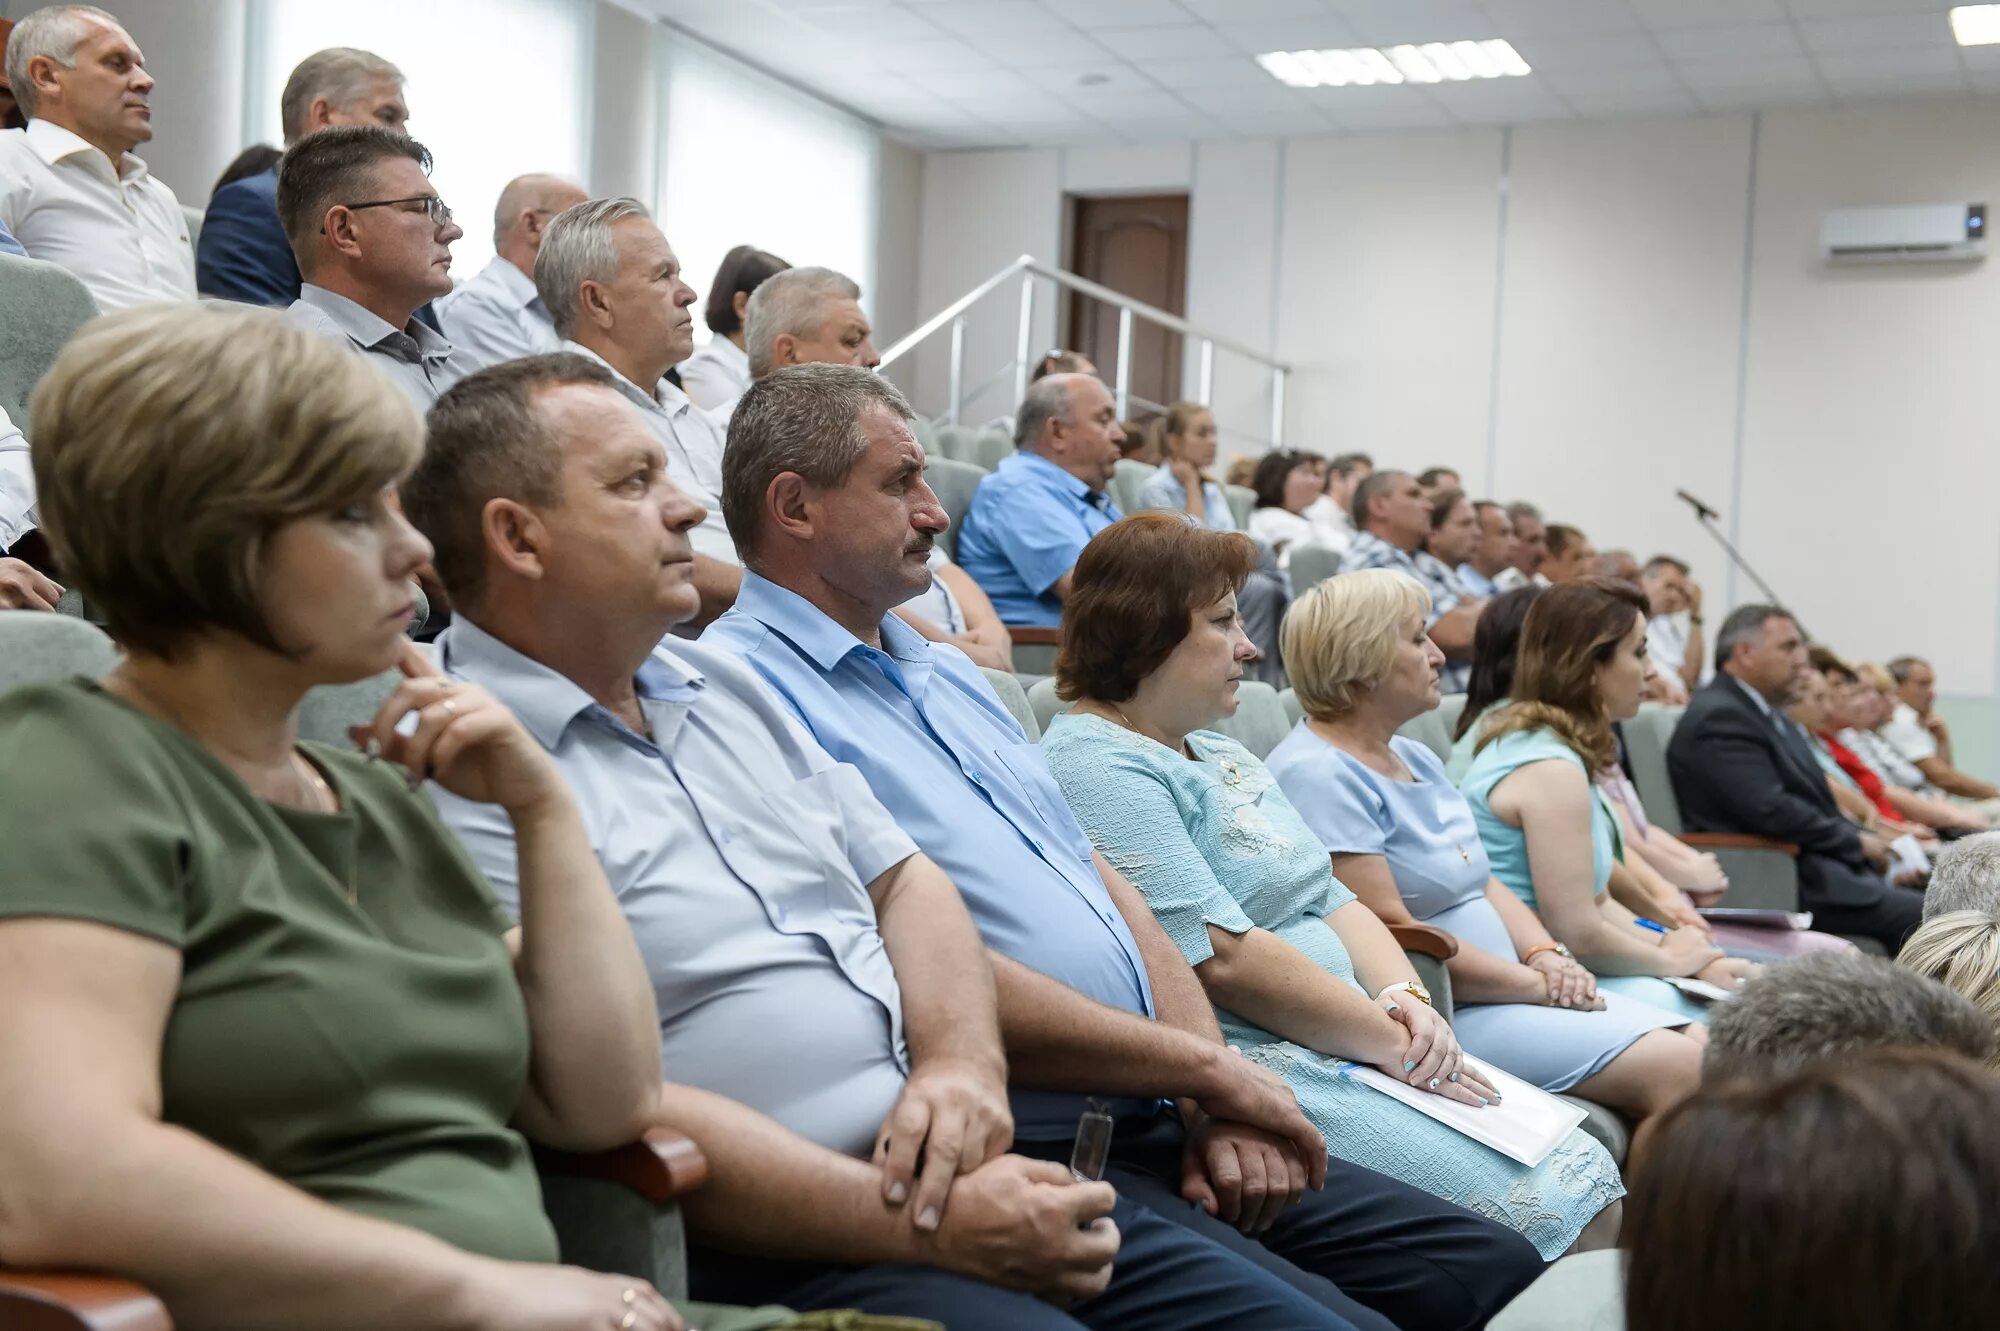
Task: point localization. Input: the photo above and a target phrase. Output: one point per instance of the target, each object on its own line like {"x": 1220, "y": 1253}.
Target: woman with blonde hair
{"x": 1960, "y": 949}
{"x": 1548, "y": 830}
{"x": 270, "y": 1045}
{"x": 1304, "y": 979}
{"x": 1403, "y": 840}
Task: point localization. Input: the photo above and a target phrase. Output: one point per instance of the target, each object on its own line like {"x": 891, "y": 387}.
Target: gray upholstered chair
{"x": 1311, "y": 565}
{"x": 36, "y": 647}
{"x": 1126, "y": 483}
{"x": 954, "y": 484}
{"x": 1015, "y": 699}
{"x": 44, "y": 306}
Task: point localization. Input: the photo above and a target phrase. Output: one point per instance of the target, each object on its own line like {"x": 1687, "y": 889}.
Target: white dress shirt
{"x": 1903, "y": 731}
{"x": 421, "y": 362}
{"x": 496, "y": 317}
{"x": 1332, "y": 527}
{"x": 716, "y": 375}
{"x": 694, "y": 453}
{"x": 120, "y": 231}
{"x": 17, "y": 485}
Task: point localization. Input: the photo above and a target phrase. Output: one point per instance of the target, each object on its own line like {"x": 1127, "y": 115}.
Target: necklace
{"x": 1231, "y": 774}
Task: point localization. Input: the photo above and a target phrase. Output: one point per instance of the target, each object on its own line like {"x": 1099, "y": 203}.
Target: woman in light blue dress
{"x": 1403, "y": 839}
{"x": 1548, "y": 830}
{"x": 1153, "y": 650}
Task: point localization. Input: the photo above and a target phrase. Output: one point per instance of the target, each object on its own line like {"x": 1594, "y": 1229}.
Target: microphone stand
{"x": 1706, "y": 516}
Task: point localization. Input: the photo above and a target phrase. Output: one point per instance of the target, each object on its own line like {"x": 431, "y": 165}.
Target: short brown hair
{"x": 1571, "y": 629}
{"x": 1852, "y": 1195}
{"x": 172, "y": 442}
{"x": 1560, "y": 537}
{"x": 488, "y": 440}
{"x": 329, "y": 169}
{"x": 1131, "y": 595}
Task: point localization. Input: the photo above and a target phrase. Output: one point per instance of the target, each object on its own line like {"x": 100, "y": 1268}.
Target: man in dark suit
{"x": 1738, "y": 764}
{"x": 242, "y": 253}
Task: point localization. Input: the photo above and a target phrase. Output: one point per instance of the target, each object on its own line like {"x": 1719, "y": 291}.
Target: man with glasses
{"x": 373, "y": 242}
{"x": 497, "y": 316}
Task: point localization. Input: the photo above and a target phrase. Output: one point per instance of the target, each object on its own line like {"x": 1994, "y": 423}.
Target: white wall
{"x": 1562, "y": 311}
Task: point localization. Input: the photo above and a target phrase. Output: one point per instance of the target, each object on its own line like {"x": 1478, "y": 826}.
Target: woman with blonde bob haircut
{"x": 1960, "y": 949}
{"x": 268, "y": 1043}
{"x": 1304, "y": 979}
{"x": 1403, "y": 840}
{"x": 1548, "y": 830}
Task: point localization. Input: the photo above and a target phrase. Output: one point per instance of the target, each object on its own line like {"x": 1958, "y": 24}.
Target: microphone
{"x": 1701, "y": 510}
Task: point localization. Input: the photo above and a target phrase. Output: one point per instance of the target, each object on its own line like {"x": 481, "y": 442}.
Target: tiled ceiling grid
{"x": 986, "y": 73}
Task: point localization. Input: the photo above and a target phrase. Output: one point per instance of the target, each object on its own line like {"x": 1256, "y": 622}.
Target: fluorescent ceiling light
{"x": 1434, "y": 62}
{"x": 1976, "y": 25}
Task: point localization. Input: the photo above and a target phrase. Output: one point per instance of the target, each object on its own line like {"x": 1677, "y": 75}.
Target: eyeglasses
{"x": 433, "y": 207}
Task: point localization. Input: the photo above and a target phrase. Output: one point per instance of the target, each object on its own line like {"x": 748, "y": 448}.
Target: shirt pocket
{"x": 796, "y": 859}
{"x": 1029, "y": 768}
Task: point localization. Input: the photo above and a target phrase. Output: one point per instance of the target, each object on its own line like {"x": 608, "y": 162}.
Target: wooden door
{"x": 1137, "y": 246}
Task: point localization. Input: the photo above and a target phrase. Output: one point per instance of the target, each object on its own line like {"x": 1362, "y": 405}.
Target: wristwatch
{"x": 1540, "y": 948}
{"x": 1410, "y": 987}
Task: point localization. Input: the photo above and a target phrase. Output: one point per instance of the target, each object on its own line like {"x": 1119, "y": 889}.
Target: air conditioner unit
{"x": 1913, "y": 233}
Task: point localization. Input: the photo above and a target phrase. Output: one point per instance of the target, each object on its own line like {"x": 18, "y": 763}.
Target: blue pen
{"x": 1657, "y": 928}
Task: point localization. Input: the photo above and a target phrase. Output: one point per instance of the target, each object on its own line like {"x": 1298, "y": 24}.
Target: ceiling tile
{"x": 1866, "y": 88}
{"x": 1809, "y": 9}
{"x": 1127, "y": 103}
{"x": 1763, "y": 99}
{"x": 1669, "y": 15}
{"x": 1300, "y": 34}
{"x": 1914, "y": 63}
{"x": 1756, "y": 40}
{"x": 1613, "y": 105}
{"x": 1375, "y": 113}
{"x": 1274, "y": 99}
{"x": 945, "y": 53}
{"x": 1875, "y": 32}
{"x": 1070, "y": 48}
{"x": 1981, "y": 59}
{"x": 1232, "y": 71}
{"x": 1571, "y": 52}
{"x": 997, "y": 18}
{"x": 1390, "y": 22}
{"x": 1062, "y": 78}
{"x": 1252, "y": 11}
{"x": 1747, "y": 73}
{"x": 1295, "y": 125}
{"x": 1340, "y": 102}
{"x": 1159, "y": 129}
{"x": 1486, "y": 99}
{"x": 870, "y": 24}
{"x": 1564, "y": 18}
{"x": 1187, "y": 41}
{"x": 963, "y": 85}
{"x": 1634, "y": 79}
{"x": 1119, "y": 13}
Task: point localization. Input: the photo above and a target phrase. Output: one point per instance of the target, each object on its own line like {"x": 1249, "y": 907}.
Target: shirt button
{"x": 723, "y": 837}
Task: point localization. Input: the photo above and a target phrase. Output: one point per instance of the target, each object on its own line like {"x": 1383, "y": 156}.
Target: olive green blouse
{"x": 348, "y": 1019}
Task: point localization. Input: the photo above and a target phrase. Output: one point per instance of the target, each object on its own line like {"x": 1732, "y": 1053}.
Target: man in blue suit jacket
{"x": 242, "y": 253}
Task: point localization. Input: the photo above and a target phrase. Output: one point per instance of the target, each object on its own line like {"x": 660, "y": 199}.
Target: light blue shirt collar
{"x": 1048, "y": 473}
{"x": 546, "y": 700}
{"x": 825, "y": 643}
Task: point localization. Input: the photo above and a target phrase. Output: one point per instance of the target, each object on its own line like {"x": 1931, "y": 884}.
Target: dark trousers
{"x": 1889, "y": 918}
{"x": 1365, "y": 1254}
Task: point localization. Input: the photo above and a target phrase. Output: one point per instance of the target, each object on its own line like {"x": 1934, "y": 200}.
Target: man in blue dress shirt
{"x": 1031, "y": 519}
{"x": 824, "y": 494}
{"x": 242, "y": 253}
{"x": 827, "y": 1013}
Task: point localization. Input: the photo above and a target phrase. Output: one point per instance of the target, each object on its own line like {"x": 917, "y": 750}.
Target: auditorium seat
{"x": 1042, "y": 701}
{"x": 194, "y": 220}
{"x": 43, "y": 307}
{"x": 1311, "y": 565}
{"x": 955, "y": 442}
{"x": 613, "y": 1211}
{"x": 1259, "y": 723}
{"x": 1129, "y": 479}
{"x": 35, "y": 648}
{"x": 1449, "y": 709}
{"x": 1015, "y": 699}
{"x": 953, "y": 483}
{"x": 1294, "y": 710}
{"x": 990, "y": 448}
{"x": 1761, "y": 873}
{"x": 1431, "y": 731}
{"x": 1242, "y": 502}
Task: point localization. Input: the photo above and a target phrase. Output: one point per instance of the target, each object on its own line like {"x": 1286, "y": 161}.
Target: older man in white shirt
{"x": 498, "y": 316}
{"x": 615, "y": 290}
{"x": 71, "y": 190}
{"x": 21, "y": 587}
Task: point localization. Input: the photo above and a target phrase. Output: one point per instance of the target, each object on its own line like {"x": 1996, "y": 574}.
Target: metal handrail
{"x": 1028, "y": 268}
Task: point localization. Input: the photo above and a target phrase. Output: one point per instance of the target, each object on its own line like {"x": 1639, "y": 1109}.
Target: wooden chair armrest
{"x": 65, "y": 1301}
{"x": 660, "y": 1166}
{"x": 1424, "y": 940}
{"x": 1737, "y": 841}
{"x": 1034, "y": 635}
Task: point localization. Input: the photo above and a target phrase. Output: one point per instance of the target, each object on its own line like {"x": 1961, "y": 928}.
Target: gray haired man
{"x": 71, "y": 190}
{"x": 615, "y": 292}
{"x": 243, "y": 254}
{"x": 806, "y": 316}
{"x": 498, "y": 316}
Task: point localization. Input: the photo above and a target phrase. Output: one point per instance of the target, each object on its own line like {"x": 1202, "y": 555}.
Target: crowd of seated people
{"x": 701, "y": 811}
